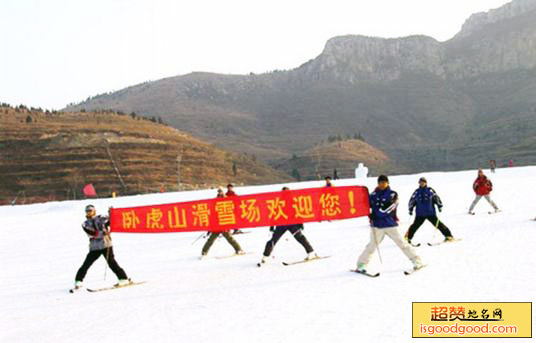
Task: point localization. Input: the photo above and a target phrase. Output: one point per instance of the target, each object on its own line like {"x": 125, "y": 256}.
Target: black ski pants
{"x": 279, "y": 231}
{"x": 419, "y": 220}
{"x": 93, "y": 255}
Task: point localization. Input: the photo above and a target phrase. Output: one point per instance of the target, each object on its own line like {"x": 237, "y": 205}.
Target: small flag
{"x": 89, "y": 190}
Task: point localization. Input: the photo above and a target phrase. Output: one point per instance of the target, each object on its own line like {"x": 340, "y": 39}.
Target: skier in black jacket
{"x": 279, "y": 231}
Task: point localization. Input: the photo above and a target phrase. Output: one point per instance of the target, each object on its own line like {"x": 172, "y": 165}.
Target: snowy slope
{"x": 231, "y": 300}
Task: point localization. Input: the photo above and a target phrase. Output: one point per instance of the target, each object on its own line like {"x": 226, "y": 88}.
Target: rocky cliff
{"x": 496, "y": 41}
{"x": 481, "y": 20}
{"x": 357, "y": 58}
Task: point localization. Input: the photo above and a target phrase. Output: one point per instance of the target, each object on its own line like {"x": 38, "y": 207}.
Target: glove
{"x": 410, "y": 213}
{"x": 439, "y": 209}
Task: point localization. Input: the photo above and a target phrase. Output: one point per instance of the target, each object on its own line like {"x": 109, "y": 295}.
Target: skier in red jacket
{"x": 482, "y": 187}
{"x": 231, "y": 193}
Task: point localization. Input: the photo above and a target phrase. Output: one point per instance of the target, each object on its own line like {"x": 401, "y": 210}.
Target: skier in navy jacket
{"x": 383, "y": 203}
{"x": 424, "y": 199}
{"x": 279, "y": 231}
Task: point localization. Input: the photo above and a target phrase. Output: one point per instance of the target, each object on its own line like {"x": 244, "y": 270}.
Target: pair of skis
{"x": 233, "y": 255}
{"x": 305, "y": 261}
{"x": 433, "y": 244}
{"x": 364, "y": 272}
{"x": 489, "y": 212}
{"x": 284, "y": 263}
{"x": 93, "y": 290}
{"x": 260, "y": 264}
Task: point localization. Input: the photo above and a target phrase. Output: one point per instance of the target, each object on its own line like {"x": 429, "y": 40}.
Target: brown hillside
{"x": 46, "y": 156}
{"x": 344, "y": 156}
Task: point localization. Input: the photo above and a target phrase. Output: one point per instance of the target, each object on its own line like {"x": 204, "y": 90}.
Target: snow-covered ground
{"x": 231, "y": 300}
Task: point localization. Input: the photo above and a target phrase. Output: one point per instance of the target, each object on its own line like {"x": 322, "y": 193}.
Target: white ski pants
{"x": 377, "y": 236}
{"x": 477, "y": 199}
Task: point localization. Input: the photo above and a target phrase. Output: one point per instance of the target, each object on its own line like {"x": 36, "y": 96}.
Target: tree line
{"x": 25, "y": 109}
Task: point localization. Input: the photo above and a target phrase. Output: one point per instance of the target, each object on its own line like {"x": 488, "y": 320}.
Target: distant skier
{"x": 383, "y": 203}
{"x": 482, "y": 187}
{"x": 279, "y": 231}
{"x": 97, "y": 228}
{"x": 492, "y": 165}
{"x": 510, "y": 163}
{"x": 335, "y": 174}
{"x": 231, "y": 193}
{"x": 328, "y": 184}
{"x": 425, "y": 199}
{"x": 213, "y": 235}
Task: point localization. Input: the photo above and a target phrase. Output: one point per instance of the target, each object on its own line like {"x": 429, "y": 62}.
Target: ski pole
{"x": 410, "y": 221}
{"x": 376, "y": 242}
{"x": 435, "y": 226}
{"x": 107, "y": 235}
{"x": 198, "y": 238}
{"x": 106, "y": 266}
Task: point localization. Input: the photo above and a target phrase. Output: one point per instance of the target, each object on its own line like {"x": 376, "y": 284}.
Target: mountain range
{"x": 426, "y": 104}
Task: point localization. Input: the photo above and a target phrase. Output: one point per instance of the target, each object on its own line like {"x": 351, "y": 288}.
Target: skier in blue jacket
{"x": 383, "y": 204}
{"x": 424, "y": 199}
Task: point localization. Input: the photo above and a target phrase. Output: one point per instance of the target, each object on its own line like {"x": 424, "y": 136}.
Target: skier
{"x": 335, "y": 174}
{"x": 424, "y": 198}
{"x": 231, "y": 193}
{"x": 383, "y": 203}
{"x": 482, "y": 187}
{"x": 328, "y": 184}
{"x": 213, "y": 235}
{"x": 492, "y": 165}
{"x": 100, "y": 243}
{"x": 279, "y": 231}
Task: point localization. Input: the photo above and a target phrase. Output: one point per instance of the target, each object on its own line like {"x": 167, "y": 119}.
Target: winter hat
{"x": 382, "y": 178}
{"x": 90, "y": 208}
{"x": 423, "y": 179}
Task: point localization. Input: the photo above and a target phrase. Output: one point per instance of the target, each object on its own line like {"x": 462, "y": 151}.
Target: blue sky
{"x": 59, "y": 51}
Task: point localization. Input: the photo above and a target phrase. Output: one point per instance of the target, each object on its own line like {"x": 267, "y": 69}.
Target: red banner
{"x": 265, "y": 209}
